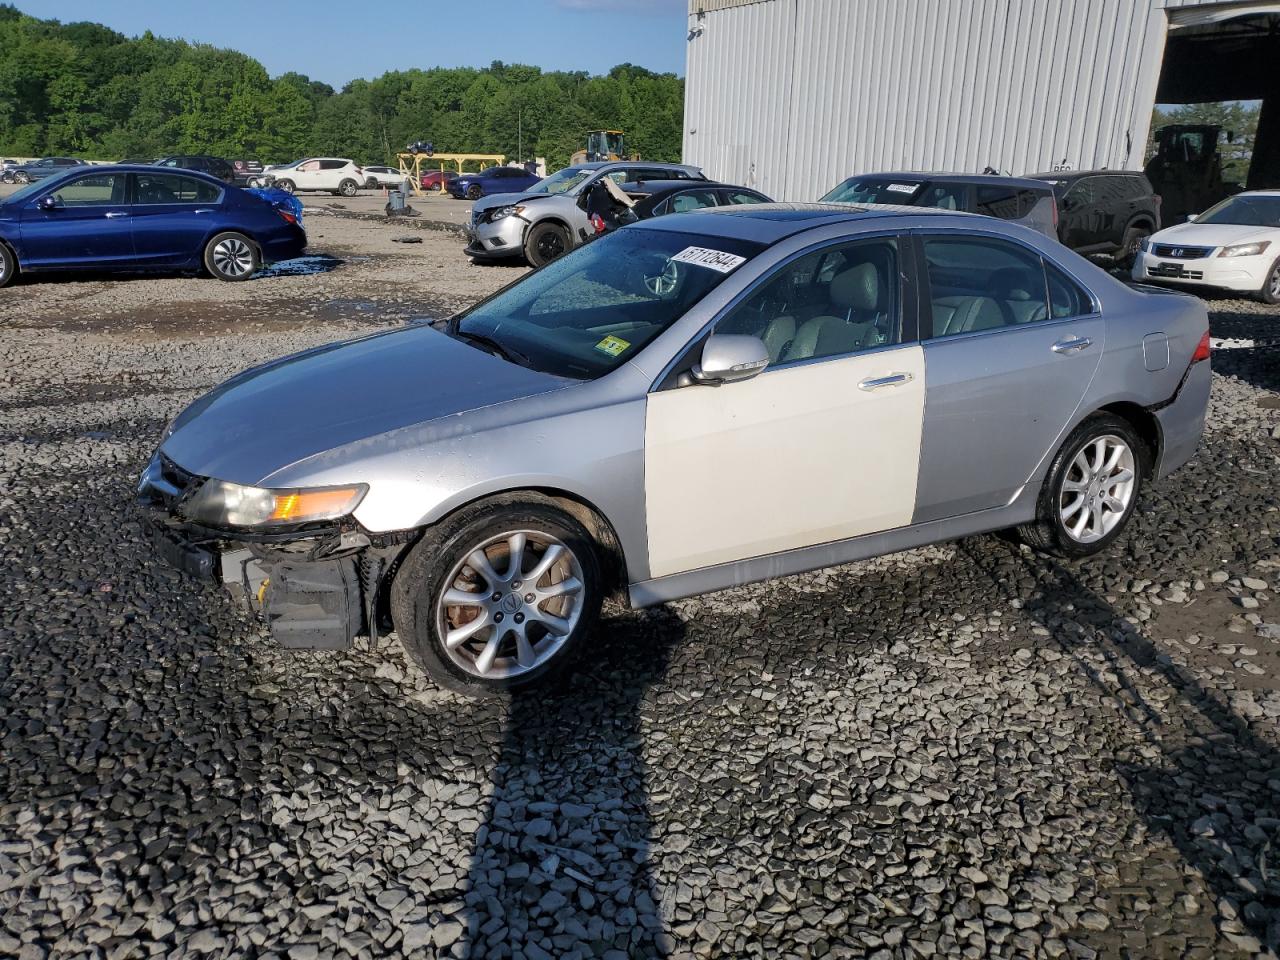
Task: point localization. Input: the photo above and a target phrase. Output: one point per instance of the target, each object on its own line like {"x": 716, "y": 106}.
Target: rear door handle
{"x": 891, "y": 380}
{"x": 116, "y": 213}
{"x": 1072, "y": 345}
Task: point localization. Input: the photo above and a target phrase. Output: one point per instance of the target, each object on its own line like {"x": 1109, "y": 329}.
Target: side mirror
{"x": 1191, "y": 216}
{"x": 48, "y": 203}
{"x": 727, "y": 357}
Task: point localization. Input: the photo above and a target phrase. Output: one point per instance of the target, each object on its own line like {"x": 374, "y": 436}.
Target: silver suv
{"x": 548, "y": 219}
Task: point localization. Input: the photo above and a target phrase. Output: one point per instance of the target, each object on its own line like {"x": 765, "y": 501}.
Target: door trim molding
{"x": 677, "y": 586}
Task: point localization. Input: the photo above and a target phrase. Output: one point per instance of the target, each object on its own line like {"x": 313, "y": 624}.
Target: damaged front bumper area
{"x": 316, "y": 586}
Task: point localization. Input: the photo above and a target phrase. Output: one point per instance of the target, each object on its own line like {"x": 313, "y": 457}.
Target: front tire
{"x": 1092, "y": 489}
{"x": 232, "y": 257}
{"x": 499, "y": 597}
{"x": 21, "y": 178}
{"x": 545, "y": 242}
{"x": 1270, "y": 292}
{"x": 1131, "y": 244}
{"x": 8, "y": 266}
{"x": 286, "y": 185}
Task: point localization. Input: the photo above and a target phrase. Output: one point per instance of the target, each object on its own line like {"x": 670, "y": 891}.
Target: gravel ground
{"x": 967, "y": 750}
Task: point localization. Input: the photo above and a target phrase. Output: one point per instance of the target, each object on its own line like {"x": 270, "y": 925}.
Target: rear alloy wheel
{"x": 231, "y": 256}
{"x": 348, "y": 188}
{"x": 285, "y": 185}
{"x": 1091, "y": 491}
{"x": 8, "y": 266}
{"x": 1270, "y": 292}
{"x": 474, "y": 192}
{"x": 544, "y": 243}
{"x": 498, "y": 597}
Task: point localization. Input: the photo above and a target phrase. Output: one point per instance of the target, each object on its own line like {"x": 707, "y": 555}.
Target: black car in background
{"x": 1104, "y": 211}
{"x": 214, "y": 166}
{"x": 659, "y": 197}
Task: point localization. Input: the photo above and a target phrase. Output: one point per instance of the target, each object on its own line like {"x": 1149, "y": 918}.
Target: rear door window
{"x": 169, "y": 188}
{"x": 981, "y": 283}
{"x": 691, "y": 200}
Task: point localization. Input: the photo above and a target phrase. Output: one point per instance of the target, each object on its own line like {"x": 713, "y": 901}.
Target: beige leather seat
{"x": 858, "y": 294}
{"x": 1019, "y": 294}
{"x": 965, "y": 314}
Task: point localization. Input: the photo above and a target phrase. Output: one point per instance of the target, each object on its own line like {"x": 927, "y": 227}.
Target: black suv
{"x": 214, "y": 166}
{"x": 1104, "y": 211}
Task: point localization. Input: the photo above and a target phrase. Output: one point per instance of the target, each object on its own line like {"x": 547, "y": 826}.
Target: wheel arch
{"x": 13, "y": 250}
{"x": 603, "y": 533}
{"x": 1145, "y": 424}
{"x": 1141, "y": 220}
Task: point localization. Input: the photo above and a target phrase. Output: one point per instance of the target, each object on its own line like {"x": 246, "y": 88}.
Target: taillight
{"x": 286, "y": 216}
{"x": 1202, "y": 349}
{"x": 359, "y": 172}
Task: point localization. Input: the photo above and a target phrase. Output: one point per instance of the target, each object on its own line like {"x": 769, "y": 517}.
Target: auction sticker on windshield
{"x": 613, "y": 346}
{"x": 902, "y": 187}
{"x": 703, "y": 257}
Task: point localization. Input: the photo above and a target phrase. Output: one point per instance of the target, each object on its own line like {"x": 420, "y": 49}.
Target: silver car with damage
{"x": 550, "y": 218}
{"x": 686, "y": 404}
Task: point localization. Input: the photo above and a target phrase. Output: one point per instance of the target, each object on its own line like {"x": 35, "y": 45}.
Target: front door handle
{"x": 891, "y": 380}
{"x": 116, "y": 213}
{"x": 1072, "y": 345}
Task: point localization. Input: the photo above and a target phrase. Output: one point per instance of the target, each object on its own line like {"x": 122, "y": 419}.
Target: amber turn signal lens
{"x": 315, "y": 504}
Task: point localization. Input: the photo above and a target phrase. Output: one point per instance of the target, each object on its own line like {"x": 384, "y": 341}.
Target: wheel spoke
{"x": 479, "y": 562}
{"x": 557, "y": 625}
{"x": 515, "y": 544}
{"x": 1095, "y": 514}
{"x": 1071, "y": 510}
{"x": 462, "y": 634}
{"x": 524, "y": 651}
{"x": 1117, "y": 478}
{"x": 1077, "y": 529}
{"x": 484, "y": 662}
{"x": 1114, "y": 505}
{"x": 1099, "y": 455}
{"x": 564, "y": 587}
{"x": 553, "y": 553}
{"x": 1074, "y": 486}
{"x": 454, "y": 597}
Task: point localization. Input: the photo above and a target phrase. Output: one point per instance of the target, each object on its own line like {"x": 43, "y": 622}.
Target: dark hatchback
{"x": 660, "y": 197}
{"x": 1104, "y": 211}
{"x": 131, "y": 218}
{"x": 202, "y": 163}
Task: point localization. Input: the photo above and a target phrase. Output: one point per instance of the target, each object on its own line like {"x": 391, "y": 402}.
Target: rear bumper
{"x": 285, "y": 247}
{"x": 1182, "y": 420}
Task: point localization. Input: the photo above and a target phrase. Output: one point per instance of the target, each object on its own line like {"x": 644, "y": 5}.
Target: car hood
{"x": 1213, "y": 234}
{"x": 495, "y": 200}
{"x": 274, "y": 415}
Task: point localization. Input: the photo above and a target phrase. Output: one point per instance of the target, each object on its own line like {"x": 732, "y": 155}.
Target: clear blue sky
{"x": 340, "y": 40}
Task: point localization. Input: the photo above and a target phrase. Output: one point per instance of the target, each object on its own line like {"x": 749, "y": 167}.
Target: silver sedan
{"x": 684, "y": 405}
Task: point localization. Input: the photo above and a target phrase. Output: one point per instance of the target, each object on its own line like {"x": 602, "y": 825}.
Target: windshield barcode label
{"x": 703, "y": 257}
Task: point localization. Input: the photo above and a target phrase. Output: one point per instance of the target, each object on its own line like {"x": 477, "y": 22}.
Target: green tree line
{"x": 85, "y": 90}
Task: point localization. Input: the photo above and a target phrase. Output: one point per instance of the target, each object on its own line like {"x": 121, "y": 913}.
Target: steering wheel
{"x": 665, "y": 283}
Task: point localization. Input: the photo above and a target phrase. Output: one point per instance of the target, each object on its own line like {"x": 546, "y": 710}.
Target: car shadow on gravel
{"x": 1214, "y": 794}
{"x": 562, "y": 862}
{"x": 1258, "y": 363}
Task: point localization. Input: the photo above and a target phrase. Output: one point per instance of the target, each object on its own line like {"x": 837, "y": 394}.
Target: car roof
{"x": 979, "y": 178}
{"x": 1077, "y": 174}
{"x": 771, "y": 222}
{"x": 139, "y": 168}
{"x": 655, "y": 187}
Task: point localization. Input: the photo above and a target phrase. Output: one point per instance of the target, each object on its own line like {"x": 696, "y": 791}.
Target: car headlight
{"x": 221, "y": 504}
{"x": 503, "y": 212}
{"x": 1245, "y": 249}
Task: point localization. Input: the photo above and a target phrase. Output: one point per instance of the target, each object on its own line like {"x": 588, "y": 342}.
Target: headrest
{"x": 857, "y": 288}
{"x": 1010, "y": 283}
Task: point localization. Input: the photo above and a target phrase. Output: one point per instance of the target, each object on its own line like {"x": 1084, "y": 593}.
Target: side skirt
{"x": 677, "y": 586}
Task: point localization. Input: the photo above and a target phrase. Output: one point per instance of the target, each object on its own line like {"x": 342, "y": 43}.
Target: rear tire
{"x": 286, "y": 185}
{"x": 1270, "y": 292}
{"x": 474, "y": 192}
{"x": 536, "y": 618}
{"x": 348, "y": 188}
{"x": 232, "y": 257}
{"x": 1092, "y": 489}
{"x": 8, "y": 266}
{"x": 1129, "y": 246}
{"x": 546, "y": 242}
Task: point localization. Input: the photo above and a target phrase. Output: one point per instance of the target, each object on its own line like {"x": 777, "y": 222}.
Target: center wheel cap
{"x": 511, "y": 603}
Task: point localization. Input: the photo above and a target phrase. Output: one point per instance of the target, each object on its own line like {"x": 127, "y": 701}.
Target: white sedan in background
{"x": 1234, "y": 245}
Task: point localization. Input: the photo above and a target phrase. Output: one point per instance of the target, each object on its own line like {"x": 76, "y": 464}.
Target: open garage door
{"x": 1213, "y": 54}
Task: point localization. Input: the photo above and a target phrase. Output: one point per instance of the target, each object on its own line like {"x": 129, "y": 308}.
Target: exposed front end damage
{"x": 315, "y": 586}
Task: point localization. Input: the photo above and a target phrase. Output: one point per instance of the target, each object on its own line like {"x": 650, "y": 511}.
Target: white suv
{"x": 338, "y": 176}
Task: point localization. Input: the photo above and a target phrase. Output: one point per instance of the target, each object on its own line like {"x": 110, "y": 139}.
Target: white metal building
{"x": 792, "y": 96}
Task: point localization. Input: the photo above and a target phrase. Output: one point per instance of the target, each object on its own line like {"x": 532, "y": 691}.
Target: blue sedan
{"x": 138, "y": 218}
{"x": 473, "y": 186}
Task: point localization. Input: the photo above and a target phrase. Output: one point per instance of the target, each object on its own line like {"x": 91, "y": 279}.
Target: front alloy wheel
{"x": 499, "y": 596}
{"x": 1270, "y": 292}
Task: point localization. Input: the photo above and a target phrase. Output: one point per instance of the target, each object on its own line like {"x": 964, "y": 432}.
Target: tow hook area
{"x": 308, "y": 604}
